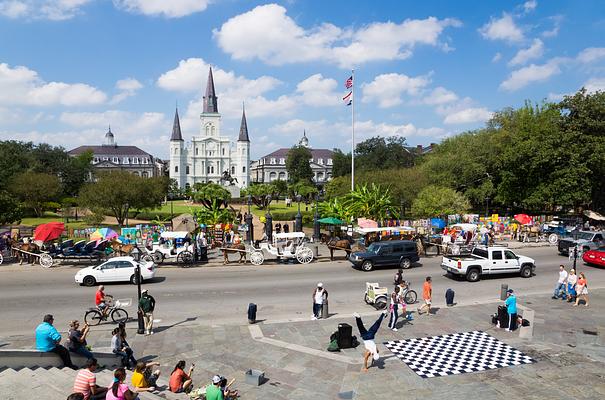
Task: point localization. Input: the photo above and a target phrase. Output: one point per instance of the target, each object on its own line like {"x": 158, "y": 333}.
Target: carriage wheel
{"x": 257, "y": 257}
{"x": 46, "y": 260}
{"x": 185, "y": 258}
{"x": 410, "y": 297}
{"x": 1, "y": 259}
{"x": 304, "y": 255}
{"x": 158, "y": 257}
{"x": 147, "y": 258}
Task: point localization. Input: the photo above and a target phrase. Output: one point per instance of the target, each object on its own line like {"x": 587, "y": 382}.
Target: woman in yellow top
{"x": 143, "y": 379}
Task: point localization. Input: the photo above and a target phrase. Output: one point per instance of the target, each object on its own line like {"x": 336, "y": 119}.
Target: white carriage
{"x": 168, "y": 248}
{"x": 284, "y": 245}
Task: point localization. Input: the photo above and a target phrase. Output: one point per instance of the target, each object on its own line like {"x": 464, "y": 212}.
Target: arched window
{"x": 272, "y": 176}
{"x": 233, "y": 170}
{"x": 136, "y": 173}
{"x": 282, "y": 176}
{"x": 320, "y": 176}
{"x": 145, "y": 174}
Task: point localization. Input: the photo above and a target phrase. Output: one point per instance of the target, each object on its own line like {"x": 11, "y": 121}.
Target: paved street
{"x": 220, "y": 295}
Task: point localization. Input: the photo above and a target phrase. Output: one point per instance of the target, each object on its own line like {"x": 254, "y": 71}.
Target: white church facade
{"x": 210, "y": 157}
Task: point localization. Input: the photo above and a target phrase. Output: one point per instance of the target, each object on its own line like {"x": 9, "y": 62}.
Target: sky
{"x": 423, "y": 70}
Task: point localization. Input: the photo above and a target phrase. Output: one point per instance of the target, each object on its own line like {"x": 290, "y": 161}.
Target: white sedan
{"x": 117, "y": 269}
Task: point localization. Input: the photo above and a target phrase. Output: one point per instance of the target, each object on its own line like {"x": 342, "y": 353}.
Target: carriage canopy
{"x": 174, "y": 235}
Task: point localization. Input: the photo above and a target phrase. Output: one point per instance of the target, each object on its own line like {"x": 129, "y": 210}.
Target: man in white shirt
{"x": 319, "y": 295}
{"x": 561, "y": 284}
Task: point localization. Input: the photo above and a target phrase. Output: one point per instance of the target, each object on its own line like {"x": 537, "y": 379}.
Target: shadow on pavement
{"x": 166, "y": 327}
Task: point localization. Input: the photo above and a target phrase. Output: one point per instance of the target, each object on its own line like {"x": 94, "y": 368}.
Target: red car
{"x": 595, "y": 257}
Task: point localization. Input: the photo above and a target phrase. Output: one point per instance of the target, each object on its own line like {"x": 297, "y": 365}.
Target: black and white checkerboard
{"x": 457, "y": 353}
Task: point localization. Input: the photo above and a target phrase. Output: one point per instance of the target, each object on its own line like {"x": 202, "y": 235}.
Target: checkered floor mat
{"x": 457, "y": 353}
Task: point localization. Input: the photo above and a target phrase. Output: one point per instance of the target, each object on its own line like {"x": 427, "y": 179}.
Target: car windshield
{"x": 373, "y": 248}
{"x": 585, "y": 235}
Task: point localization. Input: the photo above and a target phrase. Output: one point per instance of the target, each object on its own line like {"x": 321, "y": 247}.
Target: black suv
{"x": 398, "y": 253}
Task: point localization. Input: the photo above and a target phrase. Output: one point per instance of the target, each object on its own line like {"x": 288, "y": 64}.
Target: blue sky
{"x": 423, "y": 70}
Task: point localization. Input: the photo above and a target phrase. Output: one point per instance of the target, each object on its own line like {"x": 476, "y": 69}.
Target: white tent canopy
{"x": 594, "y": 215}
{"x": 364, "y": 231}
{"x": 174, "y": 235}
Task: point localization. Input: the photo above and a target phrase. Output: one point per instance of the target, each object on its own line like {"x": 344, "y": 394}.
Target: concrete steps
{"x": 57, "y": 383}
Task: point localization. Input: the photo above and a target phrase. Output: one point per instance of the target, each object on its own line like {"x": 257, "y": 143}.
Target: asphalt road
{"x": 220, "y": 295}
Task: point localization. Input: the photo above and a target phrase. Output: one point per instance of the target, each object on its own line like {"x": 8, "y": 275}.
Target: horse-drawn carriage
{"x": 172, "y": 246}
{"x": 93, "y": 250}
{"x": 284, "y": 245}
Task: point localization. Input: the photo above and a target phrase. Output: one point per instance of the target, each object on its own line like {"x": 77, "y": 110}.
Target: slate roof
{"x": 315, "y": 153}
{"x": 110, "y": 151}
{"x": 210, "y": 99}
{"x": 176, "y": 127}
{"x": 243, "y": 129}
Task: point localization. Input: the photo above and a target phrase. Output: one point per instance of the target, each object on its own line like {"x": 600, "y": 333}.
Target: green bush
{"x": 291, "y": 215}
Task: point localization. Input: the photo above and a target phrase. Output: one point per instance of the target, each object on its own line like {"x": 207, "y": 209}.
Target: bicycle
{"x": 94, "y": 315}
{"x": 409, "y": 296}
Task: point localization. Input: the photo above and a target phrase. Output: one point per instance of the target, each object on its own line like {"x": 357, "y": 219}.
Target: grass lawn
{"x": 179, "y": 207}
{"x": 53, "y": 217}
{"x": 281, "y": 206}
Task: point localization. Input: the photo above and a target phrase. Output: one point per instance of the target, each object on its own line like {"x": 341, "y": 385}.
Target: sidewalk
{"x": 568, "y": 344}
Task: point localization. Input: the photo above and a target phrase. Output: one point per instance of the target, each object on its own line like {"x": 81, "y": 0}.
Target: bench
{"x": 31, "y": 358}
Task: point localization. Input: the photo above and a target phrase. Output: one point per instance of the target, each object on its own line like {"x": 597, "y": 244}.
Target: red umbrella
{"x": 49, "y": 231}
{"x": 524, "y": 219}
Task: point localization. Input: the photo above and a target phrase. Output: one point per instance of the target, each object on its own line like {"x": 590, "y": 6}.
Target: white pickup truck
{"x": 488, "y": 261}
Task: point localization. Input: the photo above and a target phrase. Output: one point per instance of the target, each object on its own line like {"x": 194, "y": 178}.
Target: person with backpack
{"x": 398, "y": 278}
{"x": 146, "y": 307}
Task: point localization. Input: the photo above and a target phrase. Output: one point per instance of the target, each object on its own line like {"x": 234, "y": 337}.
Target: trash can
{"x": 204, "y": 254}
{"x": 503, "y": 290}
{"x": 251, "y": 313}
{"x": 345, "y": 336}
{"x": 324, "y": 309}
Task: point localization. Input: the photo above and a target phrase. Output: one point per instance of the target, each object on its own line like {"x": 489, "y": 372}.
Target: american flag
{"x": 348, "y": 99}
{"x": 349, "y": 82}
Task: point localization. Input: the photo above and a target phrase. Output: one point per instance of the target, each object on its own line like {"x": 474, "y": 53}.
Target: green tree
{"x": 435, "y": 201}
{"x": 34, "y": 189}
{"x": 341, "y": 163}
{"x": 279, "y": 188}
{"x": 261, "y": 195}
{"x": 334, "y": 208}
{"x": 379, "y": 153}
{"x": 303, "y": 189}
{"x": 10, "y": 209}
{"x": 75, "y": 173}
{"x": 370, "y": 201}
{"x": 212, "y": 195}
{"x": 297, "y": 165}
{"x": 117, "y": 192}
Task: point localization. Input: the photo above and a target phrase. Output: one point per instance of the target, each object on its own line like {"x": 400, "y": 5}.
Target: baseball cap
{"x": 216, "y": 379}
{"x": 320, "y": 284}
{"x": 509, "y": 291}
{"x": 144, "y": 291}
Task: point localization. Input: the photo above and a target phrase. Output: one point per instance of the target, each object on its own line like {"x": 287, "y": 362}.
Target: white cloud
{"x": 554, "y": 31}
{"x": 318, "y": 91}
{"x": 530, "y": 5}
{"x": 536, "y": 50}
{"x": 55, "y": 10}
{"x": 440, "y": 95}
{"x": 280, "y": 40}
{"x": 497, "y": 57}
{"x": 502, "y": 29}
{"x": 468, "y": 115}
{"x": 191, "y": 76}
{"x": 127, "y": 87}
{"x": 23, "y": 86}
{"x": 591, "y": 54}
{"x": 530, "y": 74}
{"x": 387, "y": 89}
{"x": 595, "y": 84}
{"x": 165, "y": 8}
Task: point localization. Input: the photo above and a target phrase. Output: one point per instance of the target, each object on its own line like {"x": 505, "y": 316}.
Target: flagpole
{"x": 353, "y": 131}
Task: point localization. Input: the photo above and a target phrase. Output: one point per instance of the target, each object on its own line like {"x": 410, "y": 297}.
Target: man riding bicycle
{"x": 101, "y": 299}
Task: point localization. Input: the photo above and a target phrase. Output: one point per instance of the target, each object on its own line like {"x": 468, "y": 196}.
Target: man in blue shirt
{"x": 48, "y": 339}
{"x": 511, "y": 307}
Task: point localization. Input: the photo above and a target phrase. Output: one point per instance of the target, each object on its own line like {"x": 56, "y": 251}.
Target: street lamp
{"x": 250, "y": 232}
{"x": 269, "y": 220}
{"x": 127, "y": 207}
{"x": 316, "y": 227}
{"x": 487, "y": 199}
{"x": 298, "y": 219}
{"x": 401, "y": 208}
{"x": 141, "y": 325}
{"x": 575, "y": 249}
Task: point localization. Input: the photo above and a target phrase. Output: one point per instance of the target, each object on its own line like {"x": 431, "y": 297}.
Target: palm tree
{"x": 372, "y": 202}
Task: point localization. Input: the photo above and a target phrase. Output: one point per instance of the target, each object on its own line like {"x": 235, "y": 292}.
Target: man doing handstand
{"x": 368, "y": 338}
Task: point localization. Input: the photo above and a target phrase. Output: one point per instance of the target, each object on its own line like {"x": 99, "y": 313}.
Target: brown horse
{"x": 234, "y": 248}
{"x": 20, "y": 248}
{"x": 338, "y": 244}
{"x": 120, "y": 248}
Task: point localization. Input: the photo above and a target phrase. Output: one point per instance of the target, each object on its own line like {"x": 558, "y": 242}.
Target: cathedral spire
{"x": 176, "y": 127}
{"x": 243, "y": 129}
{"x": 210, "y": 99}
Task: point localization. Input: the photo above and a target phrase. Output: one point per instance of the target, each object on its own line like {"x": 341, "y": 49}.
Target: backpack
{"x": 333, "y": 346}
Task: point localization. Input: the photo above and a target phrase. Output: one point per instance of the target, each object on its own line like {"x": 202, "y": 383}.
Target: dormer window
{"x": 115, "y": 160}
{"x": 329, "y": 161}
{"x": 125, "y": 160}
{"x": 282, "y": 161}
{"x": 320, "y": 161}
{"x": 273, "y": 161}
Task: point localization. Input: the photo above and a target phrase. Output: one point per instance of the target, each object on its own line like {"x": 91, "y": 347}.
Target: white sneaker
{"x": 313, "y": 318}
{"x": 356, "y": 315}
{"x": 507, "y": 330}
{"x": 394, "y": 329}
{"x": 151, "y": 332}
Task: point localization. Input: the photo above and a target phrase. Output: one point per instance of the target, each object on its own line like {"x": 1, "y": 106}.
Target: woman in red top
{"x": 582, "y": 290}
{"x": 180, "y": 381}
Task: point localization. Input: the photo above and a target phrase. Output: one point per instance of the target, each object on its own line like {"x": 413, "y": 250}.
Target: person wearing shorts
{"x": 368, "y": 338}
{"x": 427, "y": 295}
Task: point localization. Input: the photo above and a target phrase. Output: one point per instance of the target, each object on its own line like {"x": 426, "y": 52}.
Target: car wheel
{"x": 473, "y": 275}
{"x": 367, "y": 266}
{"x": 405, "y": 263}
{"x": 526, "y": 271}
{"x": 89, "y": 280}
{"x": 133, "y": 279}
